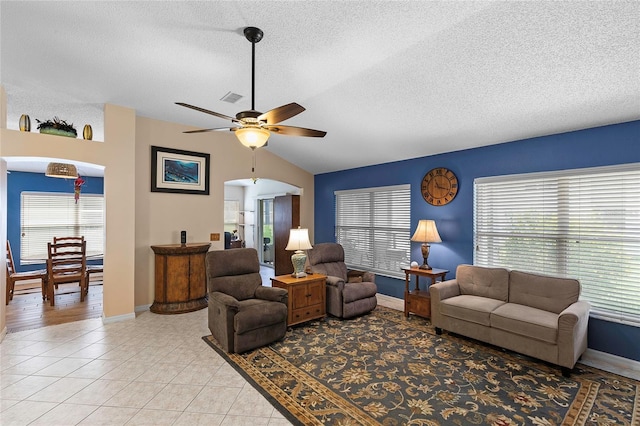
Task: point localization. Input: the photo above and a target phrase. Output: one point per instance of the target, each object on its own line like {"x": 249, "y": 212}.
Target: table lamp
{"x": 426, "y": 233}
{"x": 298, "y": 241}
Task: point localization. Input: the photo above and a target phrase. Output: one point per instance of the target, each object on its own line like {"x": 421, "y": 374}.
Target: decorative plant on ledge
{"x": 57, "y": 127}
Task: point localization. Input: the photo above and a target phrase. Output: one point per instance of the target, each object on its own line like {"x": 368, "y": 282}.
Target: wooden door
{"x": 286, "y": 215}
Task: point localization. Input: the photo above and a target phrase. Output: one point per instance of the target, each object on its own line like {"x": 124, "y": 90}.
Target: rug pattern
{"x": 382, "y": 369}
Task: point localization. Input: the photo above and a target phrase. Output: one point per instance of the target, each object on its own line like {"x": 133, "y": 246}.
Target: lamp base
{"x": 425, "y": 255}
{"x": 298, "y": 259}
{"x": 425, "y": 266}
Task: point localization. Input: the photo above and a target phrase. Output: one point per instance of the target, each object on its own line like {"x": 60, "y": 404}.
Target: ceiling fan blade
{"x": 296, "y": 131}
{"x": 281, "y": 113}
{"x": 209, "y": 130}
{"x": 206, "y": 111}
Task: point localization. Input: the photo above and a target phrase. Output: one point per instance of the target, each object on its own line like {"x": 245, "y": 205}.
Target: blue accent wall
{"x": 600, "y": 146}
{"x": 17, "y": 182}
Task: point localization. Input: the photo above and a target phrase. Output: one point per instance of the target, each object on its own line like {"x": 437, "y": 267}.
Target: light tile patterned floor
{"x": 152, "y": 370}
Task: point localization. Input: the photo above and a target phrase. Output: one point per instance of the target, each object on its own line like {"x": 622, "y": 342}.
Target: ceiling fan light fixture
{"x": 61, "y": 170}
{"x": 252, "y": 137}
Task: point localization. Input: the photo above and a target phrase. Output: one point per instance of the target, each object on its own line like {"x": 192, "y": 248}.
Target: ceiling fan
{"x": 254, "y": 127}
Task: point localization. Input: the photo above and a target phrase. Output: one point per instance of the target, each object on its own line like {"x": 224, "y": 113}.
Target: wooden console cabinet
{"x": 307, "y": 297}
{"x": 180, "y": 280}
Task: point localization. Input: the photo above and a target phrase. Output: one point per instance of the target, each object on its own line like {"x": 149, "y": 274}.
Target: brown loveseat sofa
{"x": 536, "y": 315}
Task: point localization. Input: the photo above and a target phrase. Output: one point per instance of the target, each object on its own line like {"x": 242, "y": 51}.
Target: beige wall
{"x": 160, "y": 216}
{"x": 136, "y": 218}
{"x": 117, "y": 155}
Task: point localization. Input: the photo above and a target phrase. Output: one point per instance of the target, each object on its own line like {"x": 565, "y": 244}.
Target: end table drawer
{"x": 307, "y": 313}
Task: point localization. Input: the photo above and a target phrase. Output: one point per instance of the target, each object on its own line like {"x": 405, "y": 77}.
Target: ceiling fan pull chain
{"x": 253, "y": 165}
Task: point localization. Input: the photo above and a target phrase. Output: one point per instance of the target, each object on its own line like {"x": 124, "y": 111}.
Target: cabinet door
{"x": 299, "y": 296}
{"x": 316, "y": 293}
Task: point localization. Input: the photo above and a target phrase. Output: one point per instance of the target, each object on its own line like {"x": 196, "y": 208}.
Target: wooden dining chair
{"x": 67, "y": 263}
{"x": 13, "y": 276}
{"x": 58, "y": 240}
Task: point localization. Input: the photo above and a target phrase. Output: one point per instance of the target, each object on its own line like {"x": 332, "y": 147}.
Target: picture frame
{"x": 178, "y": 171}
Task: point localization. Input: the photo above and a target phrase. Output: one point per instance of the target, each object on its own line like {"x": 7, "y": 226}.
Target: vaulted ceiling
{"x": 388, "y": 80}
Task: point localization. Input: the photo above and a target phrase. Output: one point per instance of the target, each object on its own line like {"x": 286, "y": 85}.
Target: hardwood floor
{"x": 27, "y": 310}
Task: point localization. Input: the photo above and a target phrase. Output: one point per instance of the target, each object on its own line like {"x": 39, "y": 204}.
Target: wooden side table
{"x": 180, "y": 278}
{"x": 418, "y": 301}
{"x": 307, "y": 297}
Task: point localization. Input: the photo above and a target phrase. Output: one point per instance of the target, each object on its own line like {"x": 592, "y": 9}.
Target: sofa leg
{"x": 566, "y": 372}
{"x": 438, "y": 331}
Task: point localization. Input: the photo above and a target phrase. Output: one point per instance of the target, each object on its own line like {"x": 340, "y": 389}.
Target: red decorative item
{"x": 77, "y": 186}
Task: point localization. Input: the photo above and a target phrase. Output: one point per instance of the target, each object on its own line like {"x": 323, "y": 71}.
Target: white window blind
{"x": 373, "y": 226}
{"x": 581, "y": 223}
{"x": 47, "y": 215}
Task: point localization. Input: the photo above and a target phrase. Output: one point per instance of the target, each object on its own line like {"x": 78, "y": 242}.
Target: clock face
{"x": 439, "y": 186}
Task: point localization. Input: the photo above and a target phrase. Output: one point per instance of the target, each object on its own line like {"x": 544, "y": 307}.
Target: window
{"x": 373, "y": 226}
{"x": 581, "y": 223}
{"x": 47, "y": 215}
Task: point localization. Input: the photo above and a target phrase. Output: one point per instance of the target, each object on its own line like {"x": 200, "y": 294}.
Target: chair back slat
{"x": 67, "y": 262}
{"x": 10, "y": 265}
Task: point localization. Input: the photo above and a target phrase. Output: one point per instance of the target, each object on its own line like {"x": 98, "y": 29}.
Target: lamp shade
{"x": 252, "y": 137}
{"x": 298, "y": 240}
{"x": 426, "y": 232}
{"x": 61, "y": 170}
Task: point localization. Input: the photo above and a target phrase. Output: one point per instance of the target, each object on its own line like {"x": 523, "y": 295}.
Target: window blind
{"x": 581, "y": 223}
{"x": 373, "y": 226}
{"x": 47, "y": 215}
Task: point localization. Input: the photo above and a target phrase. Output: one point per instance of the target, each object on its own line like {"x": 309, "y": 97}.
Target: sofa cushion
{"x": 470, "y": 308}
{"x": 356, "y": 291}
{"x": 256, "y": 313}
{"x": 543, "y": 292}
{"x": 485, "y": 282}
{"x": 526, "y": 321}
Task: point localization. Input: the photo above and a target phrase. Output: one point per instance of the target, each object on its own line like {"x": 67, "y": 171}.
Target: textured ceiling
{"x": 387, "y": 80}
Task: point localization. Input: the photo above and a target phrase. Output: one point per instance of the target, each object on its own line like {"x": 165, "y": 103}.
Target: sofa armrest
{"x": 439, "y": 292}
{"x": 572, "y": 333}
{"x": 444, "y": 290}
{"x": 360, "y": 276}
{"x": 225, "y": 300}
{"x": 274, "y": 294}
{"x": 335, "y": 282}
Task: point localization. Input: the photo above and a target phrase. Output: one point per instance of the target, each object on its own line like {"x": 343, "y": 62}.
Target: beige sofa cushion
{"x": 470, "y": 308}
{"x": 484, "y": 282}
{"x": 526, "y": 321}
{"x": 543, "y": 292}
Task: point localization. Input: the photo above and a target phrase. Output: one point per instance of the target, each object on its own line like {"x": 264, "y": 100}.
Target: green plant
{"x": 58, "y": 124}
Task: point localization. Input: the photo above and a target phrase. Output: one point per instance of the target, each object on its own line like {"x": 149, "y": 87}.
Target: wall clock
{"x": 439, "y": 186}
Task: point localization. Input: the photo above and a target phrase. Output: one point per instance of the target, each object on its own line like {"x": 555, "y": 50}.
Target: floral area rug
{"x": 383, "y": 369}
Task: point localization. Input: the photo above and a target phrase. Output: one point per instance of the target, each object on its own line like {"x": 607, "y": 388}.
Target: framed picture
{"x": 178, "y": 171}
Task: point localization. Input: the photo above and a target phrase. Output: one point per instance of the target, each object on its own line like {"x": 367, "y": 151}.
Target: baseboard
{"x": 118, "y": 318}
{"x": 611, "y": 363}
{"x": 142, "y": 308}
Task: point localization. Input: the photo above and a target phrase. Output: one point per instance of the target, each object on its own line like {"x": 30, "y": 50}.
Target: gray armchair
{"x": 243, "y": 314}
{"x": 349, "y": 293}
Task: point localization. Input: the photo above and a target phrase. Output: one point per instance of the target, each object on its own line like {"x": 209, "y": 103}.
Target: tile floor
{"x": 152, "y": 370}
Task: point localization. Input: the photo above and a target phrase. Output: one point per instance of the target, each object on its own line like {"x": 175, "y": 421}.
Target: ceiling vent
{"x": 231, "y": 97}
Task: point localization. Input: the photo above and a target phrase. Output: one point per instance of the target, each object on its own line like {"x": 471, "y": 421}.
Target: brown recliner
{"x": 349, "y": 293}
{"x": 243, "y": 314}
